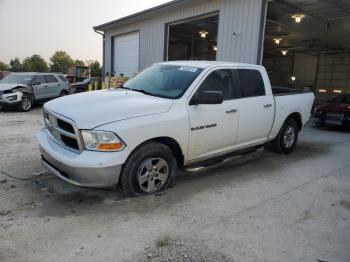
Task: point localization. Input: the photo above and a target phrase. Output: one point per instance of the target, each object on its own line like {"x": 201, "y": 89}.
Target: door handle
{"x": 267, "y": 105}
{"x": 231, "y": 111}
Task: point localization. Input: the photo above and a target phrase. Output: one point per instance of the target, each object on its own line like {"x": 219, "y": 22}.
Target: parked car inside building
{"x": 22, "y": 90}
{"x": 334, "y": 113}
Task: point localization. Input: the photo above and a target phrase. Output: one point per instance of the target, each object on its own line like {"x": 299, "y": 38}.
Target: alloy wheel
{"x": 289, "y": 137}
{"x": 152, "y": 174}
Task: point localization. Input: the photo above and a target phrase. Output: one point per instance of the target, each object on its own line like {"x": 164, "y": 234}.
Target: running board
{"x": 197, "y": 167}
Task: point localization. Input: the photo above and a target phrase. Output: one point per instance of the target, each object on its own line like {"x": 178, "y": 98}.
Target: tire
{"x": 26, "y": 103}
{"x": 149, "y": 169}
{"x": 287, "y": 138}
{"x": 63, "y": 93}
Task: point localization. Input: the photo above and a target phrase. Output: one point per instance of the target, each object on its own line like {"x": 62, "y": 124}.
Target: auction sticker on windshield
{"x": 188, "y": 69}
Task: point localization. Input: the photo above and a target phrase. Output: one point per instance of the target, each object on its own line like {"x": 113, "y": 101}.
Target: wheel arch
{"x": 298, "y": 119}
{"x": 64, "y": 91}
{"x": 169, "y": 142}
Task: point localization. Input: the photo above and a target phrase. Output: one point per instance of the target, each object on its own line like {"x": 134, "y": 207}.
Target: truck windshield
{"x": 168, "y": 81}
{"x": 17, "y": 79}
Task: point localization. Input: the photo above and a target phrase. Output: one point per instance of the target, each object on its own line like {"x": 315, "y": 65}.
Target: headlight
{"x": 12, "y": 98}
{"x": 102, "y": 141}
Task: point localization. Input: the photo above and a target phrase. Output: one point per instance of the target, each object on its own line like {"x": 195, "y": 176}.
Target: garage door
{"x": 126, "y": 54}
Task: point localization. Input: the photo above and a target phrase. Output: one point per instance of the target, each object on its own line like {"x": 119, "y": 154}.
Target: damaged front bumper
{"x": 11, "y": 99}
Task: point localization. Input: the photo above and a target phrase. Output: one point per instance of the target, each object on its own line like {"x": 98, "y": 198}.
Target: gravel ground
{"x": 263, "y": 207}
{"x": 167, "y": 250}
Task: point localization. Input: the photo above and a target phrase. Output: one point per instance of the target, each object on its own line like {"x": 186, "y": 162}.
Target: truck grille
{"x": 63, "y": 131}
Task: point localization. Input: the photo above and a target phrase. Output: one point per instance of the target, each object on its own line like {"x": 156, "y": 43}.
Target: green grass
{"x": 163, "y": 242}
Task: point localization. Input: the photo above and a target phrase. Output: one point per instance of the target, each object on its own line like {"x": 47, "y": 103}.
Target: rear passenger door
{"x": 256, "y": 107}
{"x": 53, "y": 86}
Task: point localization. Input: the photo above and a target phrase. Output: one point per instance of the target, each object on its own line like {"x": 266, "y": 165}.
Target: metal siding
{"x": 234, "y": 16}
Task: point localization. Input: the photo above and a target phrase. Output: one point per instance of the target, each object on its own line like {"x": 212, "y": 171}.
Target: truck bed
{"x": 289, "y": 101}
{"x": 282, "y": 91}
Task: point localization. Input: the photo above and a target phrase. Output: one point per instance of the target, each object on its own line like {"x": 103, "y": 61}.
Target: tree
{"x": 79, "y": 62}
{"x": 60, "y": 62}
{"x": 95, "y": 68}
{"x": 15, "y": 65}
{"x": 35, "y": 63}
{"x": 3, "y": 66}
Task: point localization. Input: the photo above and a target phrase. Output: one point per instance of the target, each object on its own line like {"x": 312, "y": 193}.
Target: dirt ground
{"x": 264, "y": 207}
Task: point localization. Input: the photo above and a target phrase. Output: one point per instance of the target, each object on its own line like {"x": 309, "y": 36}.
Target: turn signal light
{"x": 110, "y": 146}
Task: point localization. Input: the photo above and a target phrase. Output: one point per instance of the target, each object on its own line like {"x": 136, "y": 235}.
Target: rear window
{"x": 50, "y": 79}
{"x": 250, "y": 83}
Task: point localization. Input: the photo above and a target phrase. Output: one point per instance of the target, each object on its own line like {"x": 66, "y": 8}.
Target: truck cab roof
{"x": 207, "y": 64}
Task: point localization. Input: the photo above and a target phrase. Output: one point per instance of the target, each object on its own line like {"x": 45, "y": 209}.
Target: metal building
{"x": 302, "y": 43}
{"x": 232, "y": 30}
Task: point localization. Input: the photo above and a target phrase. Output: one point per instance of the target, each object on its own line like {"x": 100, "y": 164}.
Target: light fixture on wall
{"x": 277, "y": 40}
{"x": 293, "y": 78}
{"x": 337, "y": 91}
{"x": 298, "y": 17}
{"x": 203, "y": 34}
{"x": 322, "y": 90}
{"x": 215, "y": 48}
{"x": 284, "y": 52}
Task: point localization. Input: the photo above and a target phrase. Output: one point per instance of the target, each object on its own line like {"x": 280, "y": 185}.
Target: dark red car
{"x": 334, "y": 113}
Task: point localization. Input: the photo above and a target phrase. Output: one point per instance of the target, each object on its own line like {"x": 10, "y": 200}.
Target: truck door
{"x": 213, "y": 128}
{"x": 256, "y": 107}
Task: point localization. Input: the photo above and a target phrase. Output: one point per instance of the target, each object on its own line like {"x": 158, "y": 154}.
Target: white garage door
{"x": 126, "y": 54}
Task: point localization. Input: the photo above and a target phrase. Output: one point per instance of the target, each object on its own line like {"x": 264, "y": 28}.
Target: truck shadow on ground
{"x": 61, "y": 199}
{"x": 337, "y": 129}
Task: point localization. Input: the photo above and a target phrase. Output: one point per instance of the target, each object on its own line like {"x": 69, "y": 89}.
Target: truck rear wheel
{"x": 287, "y": 138}
{"x": 150, "y": 169}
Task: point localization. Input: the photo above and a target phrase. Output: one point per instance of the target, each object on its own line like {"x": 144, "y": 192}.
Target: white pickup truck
{"x": 188, "y": 114}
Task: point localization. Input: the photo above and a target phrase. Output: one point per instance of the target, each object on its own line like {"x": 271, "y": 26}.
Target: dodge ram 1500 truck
{"x": 184, "y": 114}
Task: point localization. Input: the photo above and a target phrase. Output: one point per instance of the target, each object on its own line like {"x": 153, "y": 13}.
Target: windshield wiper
{"x": 138, "y": 90}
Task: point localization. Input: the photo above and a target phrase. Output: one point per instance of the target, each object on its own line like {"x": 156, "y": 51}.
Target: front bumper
{"x": 85, "y": 169}
{"x": 11, "y": 99}
{"x": 332, "y": 120}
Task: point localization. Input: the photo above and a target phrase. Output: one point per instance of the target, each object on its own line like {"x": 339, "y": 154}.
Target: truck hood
{"x": 5, "y": 87}
{"x": 92, "y": 109}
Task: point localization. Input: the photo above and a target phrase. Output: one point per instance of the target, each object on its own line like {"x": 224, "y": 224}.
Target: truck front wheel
{"x": 287, "y": 138}
{"x": 150, "y": 169}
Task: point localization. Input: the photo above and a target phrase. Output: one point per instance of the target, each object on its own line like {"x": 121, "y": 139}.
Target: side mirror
{"x": 36, "y": 83}
{"x": 208, "y": 98}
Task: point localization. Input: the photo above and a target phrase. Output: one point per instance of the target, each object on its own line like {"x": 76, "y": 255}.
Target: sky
{"x": 42, "y": 27}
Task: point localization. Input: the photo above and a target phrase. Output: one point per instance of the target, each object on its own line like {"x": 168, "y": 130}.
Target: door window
{"x": 50, "y": 79}
{"x": 39, "y": 78}
{"x": 250, "y": 83}
{"x": 219, "y": 80}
